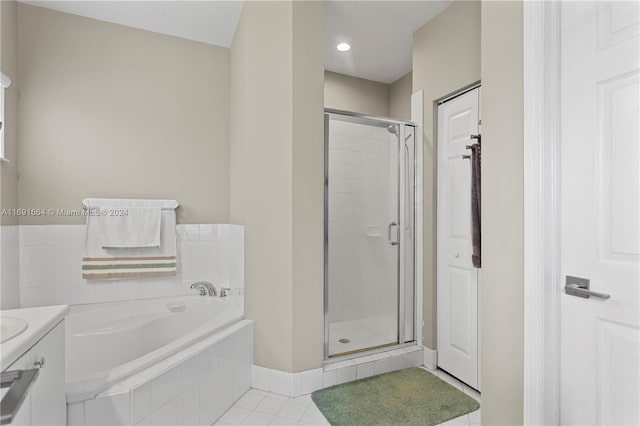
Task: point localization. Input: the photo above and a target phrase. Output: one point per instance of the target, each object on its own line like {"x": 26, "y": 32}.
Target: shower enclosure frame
{"x": 401, "y": 335}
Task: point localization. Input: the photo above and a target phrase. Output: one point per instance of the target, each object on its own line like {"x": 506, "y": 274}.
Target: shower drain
{"x": 344, "y": 340}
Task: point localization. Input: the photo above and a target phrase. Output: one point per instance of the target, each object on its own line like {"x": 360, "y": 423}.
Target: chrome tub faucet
{"x": 205, "y": 287}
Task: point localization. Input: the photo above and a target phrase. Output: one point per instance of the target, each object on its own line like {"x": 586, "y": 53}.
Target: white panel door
{"x": 457, "y": 279}
{"x": 600, "y": 212}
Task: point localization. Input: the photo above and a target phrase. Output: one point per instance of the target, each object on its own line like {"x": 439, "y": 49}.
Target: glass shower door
{"x": 363, "y": 234}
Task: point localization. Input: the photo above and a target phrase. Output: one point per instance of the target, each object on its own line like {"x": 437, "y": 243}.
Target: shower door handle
{"x": 397, "y": 240}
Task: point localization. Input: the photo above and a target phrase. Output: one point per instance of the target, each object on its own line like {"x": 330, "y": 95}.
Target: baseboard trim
{"x": 284, "y": 382}
{"x": 430, "y": 358}
{"x": 335, "y": 373}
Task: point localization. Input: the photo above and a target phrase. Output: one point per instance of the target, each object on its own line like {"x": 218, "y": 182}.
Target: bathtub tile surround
{"x": 51, "y": 258}
{"x": 107, "y": 411}
{"x": 334, "y": 373}
{"x": 140, "y": 402}
{"x": 193, "y": 387}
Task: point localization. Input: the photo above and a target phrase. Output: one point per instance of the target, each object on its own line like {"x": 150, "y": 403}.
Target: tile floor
{"x": 257, "y": 407}
{"x": 470, "y": 419}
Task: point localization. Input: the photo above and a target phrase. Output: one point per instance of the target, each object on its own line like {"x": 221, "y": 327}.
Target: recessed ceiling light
{"x": 343, "y": 47}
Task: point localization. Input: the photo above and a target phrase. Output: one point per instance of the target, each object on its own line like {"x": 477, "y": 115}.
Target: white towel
{"x": 125, "y": 263}
{"x": 130, "y": 227}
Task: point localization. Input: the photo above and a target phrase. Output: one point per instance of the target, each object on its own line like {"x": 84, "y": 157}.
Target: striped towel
{"x": 113, "y": 268}
{"x": 101, "y": 263}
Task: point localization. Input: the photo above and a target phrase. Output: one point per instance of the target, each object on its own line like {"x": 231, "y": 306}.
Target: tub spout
{"x": 205, "y": 287}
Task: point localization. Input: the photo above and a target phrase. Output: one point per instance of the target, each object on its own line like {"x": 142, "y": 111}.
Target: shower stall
{"x": 369, "y": 244}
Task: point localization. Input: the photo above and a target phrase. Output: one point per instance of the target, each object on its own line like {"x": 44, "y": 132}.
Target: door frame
{"x": 437, "y": 104}
{"x": 541, "y": 64}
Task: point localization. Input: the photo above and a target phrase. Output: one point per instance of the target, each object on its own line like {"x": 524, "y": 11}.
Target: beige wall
{"x": 502, "y": 306}
{"x": 446, "y": 58}
{"x": 276, "y": 177}
{"x": 355, "y": 94}
{"x": 260, "y": 167}
{"x": 400, "y": 97}
{"x": 9, "y": 259}
{"x": 368, "y": 97}
{"x": 111, "y": 111}
{"x": 308, "y": 185}
{"x": 9, "y": 65}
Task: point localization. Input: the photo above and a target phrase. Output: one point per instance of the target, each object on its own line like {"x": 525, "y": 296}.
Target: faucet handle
{"x": 202, "y": 288}
{"x": 224, "y": 290}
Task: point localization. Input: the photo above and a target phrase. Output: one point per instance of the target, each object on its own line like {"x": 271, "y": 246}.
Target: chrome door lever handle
{"x": 574, "y": 290}
{"x": 579, "y": 287}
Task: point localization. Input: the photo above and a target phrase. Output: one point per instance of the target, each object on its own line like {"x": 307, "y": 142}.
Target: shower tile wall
{"x": 51, "y": 255}
{"x": 361, "y": 288}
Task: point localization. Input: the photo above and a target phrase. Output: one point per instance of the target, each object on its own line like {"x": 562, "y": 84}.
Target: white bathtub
{"x": 110, "y": 342}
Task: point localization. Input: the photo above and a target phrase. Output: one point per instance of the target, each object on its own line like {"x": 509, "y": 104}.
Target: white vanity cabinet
{"x": 24, "y": 414}
{"x": 46, "y": 403}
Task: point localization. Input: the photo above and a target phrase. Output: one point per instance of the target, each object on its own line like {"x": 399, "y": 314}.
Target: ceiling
{"x": 212, "y": 22}
{"x": 379, "y": 32}
{"x": 380, "y": 35}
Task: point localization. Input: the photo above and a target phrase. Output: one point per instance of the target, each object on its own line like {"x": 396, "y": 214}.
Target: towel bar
{"x": 129, "y": 202}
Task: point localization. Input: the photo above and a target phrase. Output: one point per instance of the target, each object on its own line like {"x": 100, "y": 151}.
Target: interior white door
{"x": 457, "y": 279}
{"x": 600, "y": 212}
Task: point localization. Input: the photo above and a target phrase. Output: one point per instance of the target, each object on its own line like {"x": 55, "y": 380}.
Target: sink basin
{"x": 11, "y": 327}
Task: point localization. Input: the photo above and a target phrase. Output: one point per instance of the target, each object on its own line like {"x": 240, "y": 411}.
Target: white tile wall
{"x": 195, "y": 387}
{"x": 360, "y": 168}
{"x": 364, "y": 367}
{"x": 307, "y": 382}
{"x": 75, "y": 414}
{"x": 339, "y": 372}
{"x": 108, "y": 410}
{"x": 9, "y": 267}
{"x": 51, "y": 256}
{"x": 381, "y": 363}
{"x": 285, "y": 383}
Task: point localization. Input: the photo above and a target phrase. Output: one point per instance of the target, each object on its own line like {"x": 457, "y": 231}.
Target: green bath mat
{"x": 412, "y": 396}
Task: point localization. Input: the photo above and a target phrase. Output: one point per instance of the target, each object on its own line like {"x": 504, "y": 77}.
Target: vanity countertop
{"x": 40, "y": 321}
